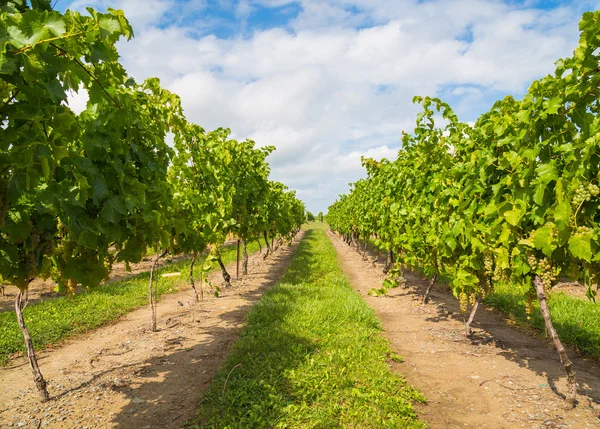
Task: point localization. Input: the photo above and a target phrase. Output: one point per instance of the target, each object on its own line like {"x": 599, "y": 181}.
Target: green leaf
{"x": 580, "y": 246}
{"x": 553, "y": 105}
{"x": 389, "y": 284}
{"x": 586, "y": 20}
{"x": 544, "y": 240}
{"x": 54, "y": 25}
{"x": 562, "y": 212}
{"x": 41, "y": 4}
{"x": 180, "y": 226}
{"x": 538, "y": 196}
{"x": 45, "y": 166}
{"x": 41, "y": 26}
{"x": 514, "y": 216}
{"x": 113, "y": 209}
{"x": 60, "y": 152}
{"x": 502, "y": 259}
{"x": 100, "y": 189}
{"x": 376, "y": 292}
{"x": 8, "y": 65}
{"x": 56, "y": 91}
{"x": 527, "y": 242}
{"x": 500, "y": 128}
{"x": 165, "y": 239}
{"x": 547, "y": 172}
{"x": 109, "y": 25}
{"x": 32, "y": 67}
{"x": 82, "y": 182}
{"x": 523, "y": 116}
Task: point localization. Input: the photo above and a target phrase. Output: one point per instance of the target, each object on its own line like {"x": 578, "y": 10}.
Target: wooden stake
{"x": 562, "y": 353}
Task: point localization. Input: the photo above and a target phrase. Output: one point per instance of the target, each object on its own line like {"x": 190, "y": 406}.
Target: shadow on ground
{"x": 172, "y": 383}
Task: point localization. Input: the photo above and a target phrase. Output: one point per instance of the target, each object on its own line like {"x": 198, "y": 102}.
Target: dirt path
{"x": 500, "y": 378}
{"x": 125, "y": 376}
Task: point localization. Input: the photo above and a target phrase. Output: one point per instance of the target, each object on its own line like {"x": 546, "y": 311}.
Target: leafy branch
{"x": 89, "y": 73}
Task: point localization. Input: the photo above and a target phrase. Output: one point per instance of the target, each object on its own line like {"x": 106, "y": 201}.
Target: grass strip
{"x": 59, "y": 318}
{"x": 311, "y": 356}
{"x": 575, "y": 319}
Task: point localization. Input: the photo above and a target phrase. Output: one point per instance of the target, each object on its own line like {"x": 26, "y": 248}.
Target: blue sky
{"x": 329, "y": 81}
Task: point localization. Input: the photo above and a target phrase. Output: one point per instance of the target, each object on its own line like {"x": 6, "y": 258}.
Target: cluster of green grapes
{"x": 532, "y": 261}
{"x": 529, "y": 306}
{"x": 548, "y": 273}
{"x": 488, "y": 264}
{"x": 499, "y": 274}
{"x": 585, "y": 193}
{"x": 463, "y": 300}
{"x": 31, "y": 254}
{"x": 473, "y": 299}
{"x": 27, "y": 266}
{"x": 483, "y": 292}
{"x": 583, "y": 230}
{"x": 97, "y": 266}
{"x": 62, "y": 252}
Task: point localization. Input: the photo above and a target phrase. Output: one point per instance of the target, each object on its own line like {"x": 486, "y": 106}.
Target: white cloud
{"x": 140, "y": 13}
{"x": 466, "y": 90}
{"x": 337, "y": 81}
{"x": 352, "y": 161}
{"x": 77, "y": 101}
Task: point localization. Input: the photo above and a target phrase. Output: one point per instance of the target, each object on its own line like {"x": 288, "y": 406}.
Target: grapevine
{"x": 79, "y": 192}
{"x": 512, "y": 198}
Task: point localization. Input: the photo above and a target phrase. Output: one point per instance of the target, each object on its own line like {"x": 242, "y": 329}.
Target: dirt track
{"x": 124, "y": 376}
{"x": 501, "y": 378}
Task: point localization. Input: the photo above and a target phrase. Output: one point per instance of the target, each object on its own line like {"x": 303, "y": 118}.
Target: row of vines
{"x": 80, "y": 192}
{"x": 513, "y": 198}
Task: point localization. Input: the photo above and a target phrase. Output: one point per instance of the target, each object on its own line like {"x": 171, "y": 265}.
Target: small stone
{"x": 138, "y": 400}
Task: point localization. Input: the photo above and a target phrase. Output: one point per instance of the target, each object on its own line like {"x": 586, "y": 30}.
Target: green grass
{"x": 576, "y": 320}
{"x": 56, "y": 319}
{"x": 323, "y": 226}
{"x": 311, "y": 356}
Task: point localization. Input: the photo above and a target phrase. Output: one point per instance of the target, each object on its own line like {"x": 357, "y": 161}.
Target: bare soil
{"x": 125, "y": 376}
{"x": 501, "y": 377}
{"x": 574, "y": 289}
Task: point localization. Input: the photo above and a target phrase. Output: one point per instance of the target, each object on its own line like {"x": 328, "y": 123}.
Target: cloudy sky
{"x": 329, "y": 81}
